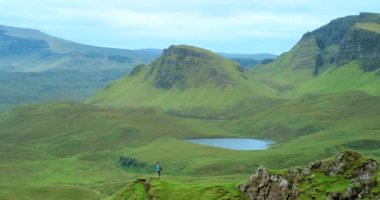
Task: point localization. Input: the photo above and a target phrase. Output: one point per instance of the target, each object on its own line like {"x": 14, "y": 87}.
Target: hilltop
{"x": 184, "y": 78}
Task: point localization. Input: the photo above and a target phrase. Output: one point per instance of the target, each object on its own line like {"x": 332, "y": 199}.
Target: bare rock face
{"x": 264, "y": 185}
{"x": 340, "y": 164}
{"x": 352, "y": 166}
{"x": 363, "y": 45}
{"x": 362, "y": 181}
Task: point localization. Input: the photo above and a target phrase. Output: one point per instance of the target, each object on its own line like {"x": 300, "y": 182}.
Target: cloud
{"x": 221, "y": 25}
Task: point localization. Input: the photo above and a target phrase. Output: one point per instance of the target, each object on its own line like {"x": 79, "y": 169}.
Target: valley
{"x": 315, "y": 101}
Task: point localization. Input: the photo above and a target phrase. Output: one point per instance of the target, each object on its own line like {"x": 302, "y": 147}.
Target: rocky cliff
{"x": 347, "y": 176}
{"x": 361, "y": 43}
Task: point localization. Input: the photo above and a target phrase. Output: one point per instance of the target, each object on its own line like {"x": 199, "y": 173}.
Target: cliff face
{"x": 361, "y": 44}
{"x": 347, "y": 176}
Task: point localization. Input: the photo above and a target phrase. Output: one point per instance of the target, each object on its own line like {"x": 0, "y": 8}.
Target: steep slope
{"x": 184, "y": 77}
{"x": 342, "y": 55}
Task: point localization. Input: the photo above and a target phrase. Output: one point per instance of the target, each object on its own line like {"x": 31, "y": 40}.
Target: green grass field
{"x": 64, "y": 150}
{"x": 58, "y": 149}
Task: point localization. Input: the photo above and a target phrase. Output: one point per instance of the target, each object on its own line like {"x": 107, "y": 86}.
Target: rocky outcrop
{"x": 360, "y": 44}
{"x": 265, "y": 185}
{"x": 289, "y": 185}
{"x": 185, "y": 67}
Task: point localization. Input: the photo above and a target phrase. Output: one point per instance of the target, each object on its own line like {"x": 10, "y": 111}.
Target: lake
{"x": 234, "y": 143}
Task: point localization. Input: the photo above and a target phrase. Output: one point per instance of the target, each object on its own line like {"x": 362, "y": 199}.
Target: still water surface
{"x": 234, "y": 143}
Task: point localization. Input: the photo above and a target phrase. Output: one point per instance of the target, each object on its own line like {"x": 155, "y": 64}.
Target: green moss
{"x": 369, "y": 26}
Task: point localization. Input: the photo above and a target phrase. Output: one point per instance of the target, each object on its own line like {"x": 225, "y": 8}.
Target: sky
{"x": 234, "y": 26}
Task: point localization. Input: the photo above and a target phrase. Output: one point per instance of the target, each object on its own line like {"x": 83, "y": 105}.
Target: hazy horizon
{"x": 272, "y": 26}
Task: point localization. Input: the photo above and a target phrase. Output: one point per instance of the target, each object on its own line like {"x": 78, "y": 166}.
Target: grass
{"x": 369, "y": 26}
{"x": 59, "y": 192}
{"x": 185, "y": 93}
{"x": 345, "y": 78}
{"x": 62, "y": 147}
{"x": 70, "y": 150}
{"x": 289, "y": 69}
{"x": 320, "y": 184}
{"x": 77, "y": 145}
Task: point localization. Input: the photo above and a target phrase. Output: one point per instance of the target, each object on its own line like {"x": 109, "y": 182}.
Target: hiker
{"x": 158, "y": 169}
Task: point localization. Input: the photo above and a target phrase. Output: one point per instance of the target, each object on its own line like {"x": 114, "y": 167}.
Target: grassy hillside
{"x": 78, "y": 145}
{"x": 340, "y": 56}
{"x": 344, "y": 78}
{"x": 290, "y": 68}
{"x": 205, "y": 81}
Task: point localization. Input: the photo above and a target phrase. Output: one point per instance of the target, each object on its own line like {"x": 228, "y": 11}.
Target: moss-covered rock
{"x": 347, "y": 176}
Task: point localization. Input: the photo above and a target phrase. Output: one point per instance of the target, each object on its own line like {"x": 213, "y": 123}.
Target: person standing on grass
{"x": 158, "y": 169}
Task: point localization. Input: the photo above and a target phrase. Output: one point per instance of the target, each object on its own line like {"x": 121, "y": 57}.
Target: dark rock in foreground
{"x": 349, "y": 170}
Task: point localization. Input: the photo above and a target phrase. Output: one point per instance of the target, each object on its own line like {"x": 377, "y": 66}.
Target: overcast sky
{"x": 236, "y": 26}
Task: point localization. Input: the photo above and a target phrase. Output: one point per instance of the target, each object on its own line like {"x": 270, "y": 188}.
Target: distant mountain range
{"x": 28, "y": 50}
{"x": 36, "y": 67}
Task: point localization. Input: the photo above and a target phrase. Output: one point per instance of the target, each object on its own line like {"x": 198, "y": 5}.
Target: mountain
{"x": 36, "y": 67}
{"x": 183, "y": 78}
{"x": 28, "y": 50}
{"x": 340, "y": 56}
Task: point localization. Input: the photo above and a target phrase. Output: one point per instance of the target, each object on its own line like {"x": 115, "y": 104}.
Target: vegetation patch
{"x": 364, "y": 145}
{"x": 131, "y": 162}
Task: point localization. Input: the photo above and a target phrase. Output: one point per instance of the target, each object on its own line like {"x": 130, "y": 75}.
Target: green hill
{"x": 184, "y": 78}
{"x": 340, "y": 56}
